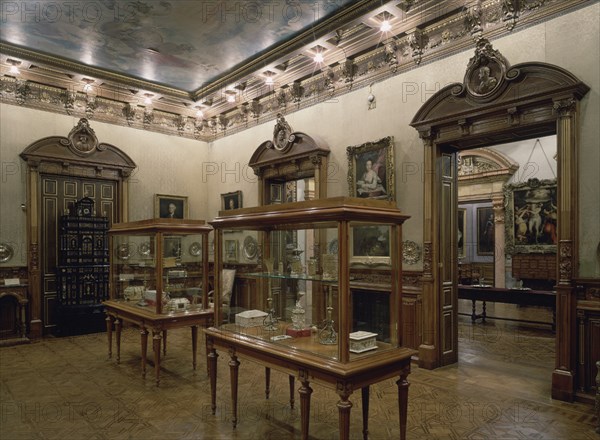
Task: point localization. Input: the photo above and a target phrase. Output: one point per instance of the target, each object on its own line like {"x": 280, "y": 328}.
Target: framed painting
{"x": 231, "y": 251}
{"x": 370, "y": 245}
{"x": 462, "y": 232}
{"x": 531, "y": 214}
{"x": 167, "y": 206}
{"x": 485, "y": 231}
{"x": 231, "y": 200}
{"x": 371, "y": 170}
{"x": 172, "y": 247}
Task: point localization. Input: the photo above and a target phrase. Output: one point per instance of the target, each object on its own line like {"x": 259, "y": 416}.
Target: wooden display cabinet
{"x": 305, "y": 323}
{"x": 158, "y": 280}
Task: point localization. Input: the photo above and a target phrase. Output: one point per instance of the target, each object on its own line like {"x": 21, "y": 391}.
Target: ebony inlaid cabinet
{"x": 82, "y": 270}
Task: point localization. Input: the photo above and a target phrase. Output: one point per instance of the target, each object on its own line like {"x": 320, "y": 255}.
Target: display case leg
{"x": 233, "y": 375}
{"x": 403, "y": 399}
{"x": 365, "y": 411}
{"x": 194, "y": 345}
{"x": 109, "y": 328}
{"x": 144, "y": 344}
{"x": 344, "y": 406}
{"x": 156, "y": 339}
{"x": 292, "y": 380}
{"x": 211, "y": 362}
{"x": 305, "y": 391}
{"x": 267, "y": 382}
{"x": 118, "y": 338}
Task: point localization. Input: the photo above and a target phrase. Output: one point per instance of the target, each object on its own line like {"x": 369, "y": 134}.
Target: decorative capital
{"x": 565, "y": 107}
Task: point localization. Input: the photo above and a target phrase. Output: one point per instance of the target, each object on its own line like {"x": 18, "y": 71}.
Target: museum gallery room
{"x": 300, "y": 219}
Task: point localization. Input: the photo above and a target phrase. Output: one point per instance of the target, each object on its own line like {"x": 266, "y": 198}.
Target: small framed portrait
{"x": 485, "y": 231}
{"x": 231, "y": 251}
{"x": 167, "y": 206}
{"x": 276, "y": 191}
{"x": 371, "y": 170}
{"x": 231, "y": 200}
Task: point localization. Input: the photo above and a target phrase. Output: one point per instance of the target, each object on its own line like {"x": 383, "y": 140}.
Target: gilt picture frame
{"x": 371, "y": 170}
{"x": 169, "y": 206}
{"x": 531, "y": 216}
{"x": 370, "y": 245}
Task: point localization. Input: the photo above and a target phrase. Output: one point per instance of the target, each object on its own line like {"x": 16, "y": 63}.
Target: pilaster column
{"x": 499, "y": 241}
{"x": 429, "y": 356}
{"x": 563, "y": 377}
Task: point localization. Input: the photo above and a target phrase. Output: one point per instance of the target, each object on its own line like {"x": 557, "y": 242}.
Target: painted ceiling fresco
{"x": 179, "y": 43}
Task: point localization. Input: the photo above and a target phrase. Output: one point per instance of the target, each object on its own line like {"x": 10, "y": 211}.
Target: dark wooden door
{"x": 448, "y": 270}
{"x": 59, "y": 193}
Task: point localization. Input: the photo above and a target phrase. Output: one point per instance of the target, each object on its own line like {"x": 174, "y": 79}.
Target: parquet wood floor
{"x": 68, "y": 389}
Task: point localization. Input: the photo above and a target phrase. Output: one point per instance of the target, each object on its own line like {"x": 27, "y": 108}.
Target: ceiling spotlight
{"x": 319, "y": 58}
{"x": 269, "y": 81}
{"x": 14, "y": 66}
{"x": 385, "y": 26}
{"x": 199, "y": 114}
{"x": 148, "y": 98}
{"x": 230, "y": 97}
{"x": 87, "y": 87}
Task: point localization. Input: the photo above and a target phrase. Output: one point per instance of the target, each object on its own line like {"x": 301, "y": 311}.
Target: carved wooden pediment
{"x": 80, "y": 148}
{"x": 471, "y": 114}
{"x": 287, "y": 149}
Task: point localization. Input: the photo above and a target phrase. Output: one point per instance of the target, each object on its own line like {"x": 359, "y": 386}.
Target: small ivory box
{"x": 362, "y": 341}
{"x": 250, "y": 318}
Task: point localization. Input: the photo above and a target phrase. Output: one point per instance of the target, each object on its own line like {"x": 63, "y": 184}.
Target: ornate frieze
{"x": 425, "y": 37}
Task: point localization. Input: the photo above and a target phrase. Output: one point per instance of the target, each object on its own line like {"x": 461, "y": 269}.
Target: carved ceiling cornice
{"x": 422, "y": 32}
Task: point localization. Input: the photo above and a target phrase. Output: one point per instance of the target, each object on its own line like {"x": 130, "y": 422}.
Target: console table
{"x": 308, "y": 366}
{"x": 523, "y": 297}
{"x": 148, "y": 320}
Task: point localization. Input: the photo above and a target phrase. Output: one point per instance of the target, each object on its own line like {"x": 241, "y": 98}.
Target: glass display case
{"x": 310, "y": 255}
{"x": 160, "y": 265}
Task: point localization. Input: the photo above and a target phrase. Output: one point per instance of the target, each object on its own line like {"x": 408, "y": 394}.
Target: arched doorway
{"x": 61, "y": 170}
{"x": 496, "y": 103}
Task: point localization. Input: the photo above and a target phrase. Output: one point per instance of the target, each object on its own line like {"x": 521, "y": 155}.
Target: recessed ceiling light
{"x": 385, "y": 26}
{"x": 14, "y": 70}
{"x": 319, "y": 58}
{"x": 200, "y": 113}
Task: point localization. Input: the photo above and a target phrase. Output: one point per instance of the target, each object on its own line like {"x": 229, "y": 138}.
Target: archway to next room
{"x": 525, "y": 101}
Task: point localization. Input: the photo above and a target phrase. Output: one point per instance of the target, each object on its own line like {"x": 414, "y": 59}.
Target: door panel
{"x": 59, "y": 193}
{"x": 448, "y": 257}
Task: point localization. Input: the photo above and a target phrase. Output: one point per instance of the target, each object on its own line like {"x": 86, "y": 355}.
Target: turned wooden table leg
{"x": 118, "y": 338}
{"x": 305, "y": 391}
{"x": 144, "y": 344}
{"x": 156, "y": 339}
{"x": 194, "y": 345}
{"x": 211, "y": 361}
{"x": 267, "y": 382}
{"x": 233, "y": 375}
{"x": 344, "y": 406}
{"x": 483, "y": 314}
{"x": 291, "y": 380}
{"x": 164, "y": 342}
{"x": 403, "y": 399}
{"x": 473, "y": 310}
{"x": 109, "y": 328}
{"x": 365, "y": 411}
